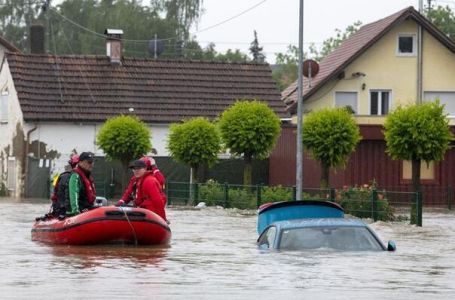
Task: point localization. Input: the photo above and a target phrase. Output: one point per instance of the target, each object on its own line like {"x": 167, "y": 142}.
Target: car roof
{"x": 319, "y": 222}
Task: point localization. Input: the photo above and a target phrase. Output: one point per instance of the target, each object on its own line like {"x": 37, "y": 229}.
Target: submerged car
{"x": 310, "y": 225}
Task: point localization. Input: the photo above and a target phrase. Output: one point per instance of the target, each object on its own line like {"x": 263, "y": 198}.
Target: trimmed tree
{"x": 251, "y": 129}
{"x": 330, "y": 135}
{"x": 417, "y": 133}
{"x": 195, "y": 142}
{"x": 124, "y": 138}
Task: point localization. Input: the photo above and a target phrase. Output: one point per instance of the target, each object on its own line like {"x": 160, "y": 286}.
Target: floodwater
{"x": 213, "y": 255}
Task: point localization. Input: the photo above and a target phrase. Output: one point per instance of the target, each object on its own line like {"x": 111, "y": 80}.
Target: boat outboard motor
{"x": 100, "y": 201}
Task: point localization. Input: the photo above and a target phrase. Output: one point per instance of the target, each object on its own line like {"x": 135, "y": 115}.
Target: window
{"x": 446, "y": 98}
{"x": 4, "y": 107}
{"x": 379, "y": 102}
{"x": 406, "y": 45}
{"x": 344, "y": 99}
{"x": 267, "y": 238}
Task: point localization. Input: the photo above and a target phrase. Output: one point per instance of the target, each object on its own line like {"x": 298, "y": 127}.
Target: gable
{"x": 334, "y": 65}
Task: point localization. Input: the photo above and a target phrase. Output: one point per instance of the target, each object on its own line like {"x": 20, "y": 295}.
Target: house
{"x": 57, "y": 104}
{"x": 373, "y": 71}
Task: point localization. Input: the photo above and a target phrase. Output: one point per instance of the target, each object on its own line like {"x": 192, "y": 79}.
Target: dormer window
{"x": 406, "y": 45}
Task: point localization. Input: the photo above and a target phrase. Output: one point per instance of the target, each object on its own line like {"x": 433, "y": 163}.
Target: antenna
{"x": 156, "y": 47}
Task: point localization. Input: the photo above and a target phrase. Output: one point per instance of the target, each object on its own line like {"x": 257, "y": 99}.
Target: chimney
{"x": 37, "y": 39}
{"x": 114, "y": 45}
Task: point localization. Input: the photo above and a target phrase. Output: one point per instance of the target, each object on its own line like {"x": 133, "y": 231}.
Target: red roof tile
{"x": 89, "y": 88}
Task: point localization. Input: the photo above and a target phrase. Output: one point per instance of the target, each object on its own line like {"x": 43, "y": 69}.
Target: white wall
{"x": 66, "y": 137}
{"x": 8, "y": 129}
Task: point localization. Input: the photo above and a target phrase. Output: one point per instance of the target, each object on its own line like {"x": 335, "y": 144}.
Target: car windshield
{"x": 338, "y": 238}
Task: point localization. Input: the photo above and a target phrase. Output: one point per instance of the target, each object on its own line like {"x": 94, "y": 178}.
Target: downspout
{"x": 27, "y": 143}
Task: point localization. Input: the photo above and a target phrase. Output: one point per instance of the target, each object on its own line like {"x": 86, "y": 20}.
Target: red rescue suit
{"x": 149, "y": 195}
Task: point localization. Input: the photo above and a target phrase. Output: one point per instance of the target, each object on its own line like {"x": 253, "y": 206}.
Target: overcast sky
{"x": 276, "y": 21}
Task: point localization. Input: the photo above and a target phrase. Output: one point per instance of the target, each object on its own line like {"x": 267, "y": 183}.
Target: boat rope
{"x": 131, "y": 225}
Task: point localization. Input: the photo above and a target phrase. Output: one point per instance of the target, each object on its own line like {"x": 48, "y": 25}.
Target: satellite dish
{"x": 310, "y": 68}
{"x": 156, "y": 47}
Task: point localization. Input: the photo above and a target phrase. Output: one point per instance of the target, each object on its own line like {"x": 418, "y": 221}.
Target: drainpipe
{"x": 27, "y": 143}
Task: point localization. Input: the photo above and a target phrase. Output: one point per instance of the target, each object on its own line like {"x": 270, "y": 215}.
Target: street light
{"x": 299, "y": 156}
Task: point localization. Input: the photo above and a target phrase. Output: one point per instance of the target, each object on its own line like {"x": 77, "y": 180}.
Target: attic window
{"x": 406, "y": 45}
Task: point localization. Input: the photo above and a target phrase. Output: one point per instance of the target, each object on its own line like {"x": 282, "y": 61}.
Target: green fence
{"x": 361, "y": 202}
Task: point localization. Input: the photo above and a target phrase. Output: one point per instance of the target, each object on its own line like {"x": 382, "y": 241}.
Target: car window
{"x": 267, "y": 238}
{"x": 338, "y": 238}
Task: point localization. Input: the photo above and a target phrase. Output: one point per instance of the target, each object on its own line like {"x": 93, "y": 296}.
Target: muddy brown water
{"x": 213, "y": 255}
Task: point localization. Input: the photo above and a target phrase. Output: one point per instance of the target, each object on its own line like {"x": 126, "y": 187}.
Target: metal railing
{"x": 371, "y": 203}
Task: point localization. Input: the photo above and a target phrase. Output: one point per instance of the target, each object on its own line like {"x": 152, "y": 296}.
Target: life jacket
{"x": 59, "y": 195}
{"x": 87, "y": 194}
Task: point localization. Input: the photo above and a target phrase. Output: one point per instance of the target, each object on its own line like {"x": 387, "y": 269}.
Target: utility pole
{"x": 299, "y": 156}
{"x": 419, "y": 58}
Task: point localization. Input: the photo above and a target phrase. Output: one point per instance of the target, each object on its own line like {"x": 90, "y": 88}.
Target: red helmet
{"x": 74, "y": 160}
{"x": 147, "y": 161}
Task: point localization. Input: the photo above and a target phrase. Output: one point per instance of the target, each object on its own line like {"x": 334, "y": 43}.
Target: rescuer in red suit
{"x": 151, "y": 166}
{"x": 148, "y": 190}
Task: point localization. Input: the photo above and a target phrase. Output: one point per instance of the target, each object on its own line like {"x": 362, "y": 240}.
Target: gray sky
{"x": 276, "y": 21}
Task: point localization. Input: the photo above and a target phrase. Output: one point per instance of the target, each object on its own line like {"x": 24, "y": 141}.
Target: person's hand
{"x": 121, "y": 203}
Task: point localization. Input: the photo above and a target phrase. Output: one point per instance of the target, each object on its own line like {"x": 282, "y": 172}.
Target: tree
{"x": 124, "y": 138}
{"x": 192, "y": 50}
{"x": 16, "y": 16}
{"x": 195, "y": 142}
{"x": 444, "y": 18}
{"x": 249, "y": 128}
{"x": 332, "y": 43}
{"x": 65, "y": 23}
{"x": 286, "y": 72}
{"x": 331, "y": 135}
{"x": 256, "y": 51}
{"x": 417, "y": 132}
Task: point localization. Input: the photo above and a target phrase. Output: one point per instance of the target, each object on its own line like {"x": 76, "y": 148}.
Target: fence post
{"x": 449, "y": 197}
{"x": 196, "y": 193}
{"x": 294, "y": 193}
{"x": 419, "y": 209}
{"x": 332, "y": 194}
{"x": 258, "y": 195}
{"x": 374, "y": 203}
{"x": 226, "y": 195}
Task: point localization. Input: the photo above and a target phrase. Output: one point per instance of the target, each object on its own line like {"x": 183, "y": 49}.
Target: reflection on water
{"x": 213, "y": 255}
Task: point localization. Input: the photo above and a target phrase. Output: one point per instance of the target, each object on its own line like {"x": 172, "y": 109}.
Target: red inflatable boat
{"x": 106, "y": 224}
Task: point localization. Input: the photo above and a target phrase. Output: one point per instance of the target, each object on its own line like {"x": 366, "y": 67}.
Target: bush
{"x": 242, "y": 198}
{"x": 276, "y": 194}
{"x": 357, "y": 201}
{"x": 212, "y": 193}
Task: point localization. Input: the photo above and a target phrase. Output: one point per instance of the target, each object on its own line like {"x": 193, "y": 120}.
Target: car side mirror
{"x": 391, "y": 246}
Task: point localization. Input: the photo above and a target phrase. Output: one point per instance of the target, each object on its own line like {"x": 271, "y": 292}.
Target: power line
{"x": 231, "y": 18}
{"x": 163, "y": 39}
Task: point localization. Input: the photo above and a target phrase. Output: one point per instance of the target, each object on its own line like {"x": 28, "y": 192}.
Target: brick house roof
{"x": 334, "y": 63}
{"x": 90, "y": 88}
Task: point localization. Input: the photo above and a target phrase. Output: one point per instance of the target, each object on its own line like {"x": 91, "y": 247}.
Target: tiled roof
{"x": 89, "y": 88}
{"x": 334, "y": 64}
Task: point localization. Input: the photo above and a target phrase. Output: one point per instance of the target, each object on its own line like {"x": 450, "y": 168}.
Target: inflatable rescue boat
{"x": 102, "y": 225}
